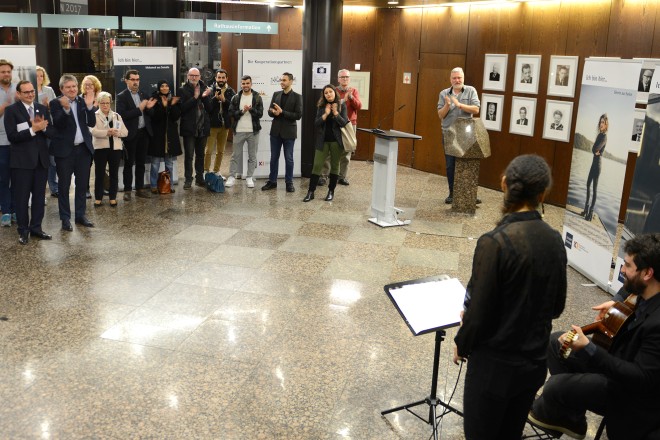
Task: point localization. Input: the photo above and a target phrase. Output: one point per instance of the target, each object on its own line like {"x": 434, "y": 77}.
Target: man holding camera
{"x": 220, "y": 121}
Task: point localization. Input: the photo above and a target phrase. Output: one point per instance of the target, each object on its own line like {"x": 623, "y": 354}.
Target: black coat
{"x": 188, "y": 104}
{"x": 337, "y": 123}
{"x": 26, "y": 151}
{"x": 284, "y": 125}
{"x": 164, "y": 121}
{"x": 130, "y": 113}
{"x": 64, "y": 124}
{"x": 217, "y": 118}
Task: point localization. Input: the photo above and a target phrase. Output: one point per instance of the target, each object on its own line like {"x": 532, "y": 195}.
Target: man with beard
{"x": 7, "y": 98}
{"x": 195, "y": 125}
{"x": 622, "y": 384}
{"x": 221, "y": 94}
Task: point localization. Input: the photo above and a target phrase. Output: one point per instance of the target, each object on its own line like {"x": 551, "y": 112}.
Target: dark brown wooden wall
{"x": 428, "y": 43}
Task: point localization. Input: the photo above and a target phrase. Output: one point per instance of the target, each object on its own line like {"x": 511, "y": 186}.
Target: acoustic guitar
{"x": 605, "y": 329}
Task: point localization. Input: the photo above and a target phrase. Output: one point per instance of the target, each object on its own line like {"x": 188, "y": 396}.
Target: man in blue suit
{"x": 25, "y": 124}
{"x": 71, "y": 144}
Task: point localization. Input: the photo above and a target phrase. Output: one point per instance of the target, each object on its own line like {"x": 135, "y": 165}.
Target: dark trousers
{"x": 571, "y": 389}
{"x": 499, "y": 391}
{"x": 194, "y": 148}
{"x": 450, "y": 166}
{"x": 24, "y": 183}
{"x": 78, "y": 163}
{"x": 102, "y": 157}
{"x": 276, "y": 145}
{"x": 135, "y": 153}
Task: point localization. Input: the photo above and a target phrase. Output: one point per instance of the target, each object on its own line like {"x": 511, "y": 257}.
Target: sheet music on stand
{"x": 428, "y": 304}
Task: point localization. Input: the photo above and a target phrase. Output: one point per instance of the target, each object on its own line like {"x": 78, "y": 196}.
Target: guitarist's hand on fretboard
{"x": 573, "y": 340}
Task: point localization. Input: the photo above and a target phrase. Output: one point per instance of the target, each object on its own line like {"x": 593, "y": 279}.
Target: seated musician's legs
{"x": 575, "y": 363}
{"x": 565, "y": 400}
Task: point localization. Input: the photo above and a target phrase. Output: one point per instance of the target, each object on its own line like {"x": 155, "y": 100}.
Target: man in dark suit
{"x": 71, "y": 144}
{"x": 639, "y": 126}
{"x": 494, "y": 75}
{"x": 523, "y": 116}
{"x": 645, "y": 80}
{"x": 131, "y": 104}
{"x": 595, "y": 379}
{"x": 25, "y": 123}
{"x": 562, "y": 76}
{"x": 285, "y": 109}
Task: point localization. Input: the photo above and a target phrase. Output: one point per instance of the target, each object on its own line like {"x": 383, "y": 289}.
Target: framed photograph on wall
{"x": 562, "y": 76}
{"x": 362, "y": 82}
{"x": 557, "y": 120}
{"x": 523, "y": 114}
{"x": 492, "y": 107}
{"x": 495, "y": 71}
{"x": 526, "y": 79}
{"x": 645, "y": 77}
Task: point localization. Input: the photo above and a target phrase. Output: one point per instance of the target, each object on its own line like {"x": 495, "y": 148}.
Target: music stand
{"x": 431, "y": 304}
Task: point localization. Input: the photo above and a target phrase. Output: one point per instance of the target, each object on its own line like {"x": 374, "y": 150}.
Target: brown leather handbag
{"x": 164, "y": 182}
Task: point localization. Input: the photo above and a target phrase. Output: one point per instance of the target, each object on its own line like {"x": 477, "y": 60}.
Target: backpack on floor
{"x": 214, "y": 183}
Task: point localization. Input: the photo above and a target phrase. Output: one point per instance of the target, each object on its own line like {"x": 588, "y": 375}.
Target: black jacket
{"x": 26, "y": 151}
{"x": 338, "y": 122}
{"x": 130, "y": 114}
{"x": 64, "y": 124}
{"x": 257, "y": 110}
{"x": 189, "y": 105}
{"x": 218, "y": 118}
{"x": 517, "y": 287}
{"x": 284, "y": 125}
{"x": 165, "y": 130}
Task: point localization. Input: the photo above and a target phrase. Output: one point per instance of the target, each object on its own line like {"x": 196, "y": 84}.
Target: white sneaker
{"x": 224, "y": 179}
{"x": 250, "y": 182}
{"x": 230, "y": 181}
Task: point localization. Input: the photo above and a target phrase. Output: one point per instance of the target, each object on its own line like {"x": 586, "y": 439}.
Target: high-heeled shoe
{"x": 113, "y": 203}
{"x": 330, "y": 196}
{"x": 309, "y": 196}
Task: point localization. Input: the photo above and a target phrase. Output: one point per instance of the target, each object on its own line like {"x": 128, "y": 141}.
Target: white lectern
{"x": 384, "y": 180}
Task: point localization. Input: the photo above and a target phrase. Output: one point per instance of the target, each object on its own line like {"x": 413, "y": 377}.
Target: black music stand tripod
{"x": 410, "y": 305}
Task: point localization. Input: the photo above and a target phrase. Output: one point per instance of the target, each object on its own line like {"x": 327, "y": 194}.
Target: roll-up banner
{"x": 600, "y": 152}
{"x": 643, "y": 213}
{"x": 154, "y": 64}
{"x": 24, "y": 59}
{"x": 266, "y": 68}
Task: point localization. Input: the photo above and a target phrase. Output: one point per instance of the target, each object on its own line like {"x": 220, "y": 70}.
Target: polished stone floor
{"x": 244, "y": 315}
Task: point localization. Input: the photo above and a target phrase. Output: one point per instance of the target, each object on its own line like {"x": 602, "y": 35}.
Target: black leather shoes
{"x": 41, "y": 235}
{"x": 269, "y": 185}
{"x": 478, "y": 201}
{"x": 450, "y": 199}
{"x": 290, "y": 188}
{"x": 55, "y": 195}
{"x": 84, "y": 221}
{"x": 330, "y": 196}
{"x": 66, "y": 225}
{"x": 309, "y": 196}
{"x": 24, "y": 237}
{"x": 343, "y": 182}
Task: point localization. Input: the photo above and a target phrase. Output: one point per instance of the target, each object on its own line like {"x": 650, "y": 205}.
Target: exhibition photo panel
{"x": 562, "y": 76}
{"x": 492, "y": 107}
{"x": 523, "y": 114}
{"x": 526, "y": 79}
{"x": 557, "y": 120}
{"x": 495, "y": 72}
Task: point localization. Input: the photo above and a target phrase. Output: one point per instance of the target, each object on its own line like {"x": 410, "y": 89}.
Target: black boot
{"x": 590, "y": 214}
{"x": 313, "y": 181}
{"x": 586, "y": 210}
{"x": 330, "y": 196}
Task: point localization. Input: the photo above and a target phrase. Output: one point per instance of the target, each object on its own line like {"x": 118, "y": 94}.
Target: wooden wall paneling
{"x": 445, "y": 30}
{"x": 406, "y": 94}
{"x": 386, "y": 48}
{"x": 632, "y": 24}
{"x": 358, "y": 47}
{"x": 289, "y": 22}
{"x": 434, "y": 73}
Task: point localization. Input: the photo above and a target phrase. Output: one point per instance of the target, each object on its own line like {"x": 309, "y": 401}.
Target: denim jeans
{"x": 6, "y": 202}
{"x": 155, "y": 167}
{"x": 276, "y": 144}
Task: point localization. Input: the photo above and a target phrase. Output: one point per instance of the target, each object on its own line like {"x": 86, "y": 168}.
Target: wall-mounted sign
{"x": 241, "y": 27}
{"x": 74, "y": 7}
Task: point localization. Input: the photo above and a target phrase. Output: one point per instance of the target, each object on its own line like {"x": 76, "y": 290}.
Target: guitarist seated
{"x": 622, "y": 384}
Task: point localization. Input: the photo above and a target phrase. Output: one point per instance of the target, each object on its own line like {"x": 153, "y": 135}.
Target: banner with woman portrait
{"x": 600, "y": 151}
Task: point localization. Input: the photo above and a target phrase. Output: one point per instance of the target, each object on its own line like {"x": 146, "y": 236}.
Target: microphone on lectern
{"x": 377, "y": 129}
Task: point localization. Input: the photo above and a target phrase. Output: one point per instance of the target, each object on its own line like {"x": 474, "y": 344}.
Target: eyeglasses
{"x": 104, "y": 103}
{"x": 28, "y": 92}
{"x": 344, "y": 77}
{"x": 193, "y": 76}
